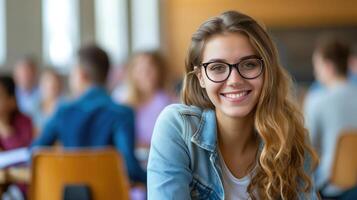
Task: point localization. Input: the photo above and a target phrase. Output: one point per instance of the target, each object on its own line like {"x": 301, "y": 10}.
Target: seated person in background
{"x": 332, "y": 110}
{"x": 27, "y": 92}
{"x": 16, "y": 129}
{"x": 93, "y": 119}
{"x": 147, "y": 95}
{"x": 51, "y": 88}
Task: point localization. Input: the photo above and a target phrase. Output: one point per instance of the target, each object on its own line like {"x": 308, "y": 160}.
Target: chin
{"x": 236, "y": 112}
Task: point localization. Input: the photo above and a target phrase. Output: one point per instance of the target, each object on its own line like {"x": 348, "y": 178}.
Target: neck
{"x": 335, "y": 81}
{"x": 148, "y": 95}
{"x": 145, "y": 96}
{"x": 235, "y": 134}
{"x": 82, "y": 89}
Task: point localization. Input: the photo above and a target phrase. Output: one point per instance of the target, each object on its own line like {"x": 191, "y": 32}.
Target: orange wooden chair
{"x": 344, "y": 169}
{"x": 102, "y": 170}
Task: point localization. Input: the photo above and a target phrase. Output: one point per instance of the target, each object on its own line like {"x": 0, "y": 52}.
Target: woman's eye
{"x": 250, "y": 65}
{"x": 218, "y": 67}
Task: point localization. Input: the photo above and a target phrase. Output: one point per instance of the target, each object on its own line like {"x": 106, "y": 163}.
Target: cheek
{"x": 212, "y": 90}
{"x": 258, "y": 87}
{"x": 151, "y": 77}
{"x": 140, "y": 76}
{"x": 258, "y": 84}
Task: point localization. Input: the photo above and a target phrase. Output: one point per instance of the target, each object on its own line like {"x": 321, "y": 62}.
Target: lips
{"x": 237, "y": 96}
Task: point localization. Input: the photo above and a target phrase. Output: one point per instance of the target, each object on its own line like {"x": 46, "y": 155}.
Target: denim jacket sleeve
{"x": 169, "y": 173}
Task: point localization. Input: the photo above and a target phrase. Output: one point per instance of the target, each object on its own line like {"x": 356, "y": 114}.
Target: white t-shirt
{"x": 234, "y": 188}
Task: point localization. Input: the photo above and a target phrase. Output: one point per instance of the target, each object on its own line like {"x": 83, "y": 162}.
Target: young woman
{"x": 238, "y": 136}
{"x": 147, "y": 94}
{"x": 16, "y": 129}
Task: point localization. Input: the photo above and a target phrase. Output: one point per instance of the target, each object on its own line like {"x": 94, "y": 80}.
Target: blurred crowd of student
{"x": 36, "y": 109}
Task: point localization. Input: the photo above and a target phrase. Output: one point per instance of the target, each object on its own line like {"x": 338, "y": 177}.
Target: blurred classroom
{"x": 147, "y": 42}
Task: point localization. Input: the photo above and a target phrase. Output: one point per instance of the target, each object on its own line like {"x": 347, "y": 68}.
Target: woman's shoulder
{"x": 181, "y": 109}
{"x": 179, "y": 120}
{"x": 178, "y": 116}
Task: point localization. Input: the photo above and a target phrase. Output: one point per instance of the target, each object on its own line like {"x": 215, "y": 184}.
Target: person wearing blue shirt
{"x": 93, "y": 119}
{"x": 331, "y": 110}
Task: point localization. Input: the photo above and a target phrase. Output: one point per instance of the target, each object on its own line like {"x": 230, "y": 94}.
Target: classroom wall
{"x": 182, "y": 17}
{"x": 23, "y": 30}
{"x": 179, "y": 19}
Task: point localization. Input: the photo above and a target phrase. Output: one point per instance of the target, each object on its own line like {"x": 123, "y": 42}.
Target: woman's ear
{"x": 199, "y": 76}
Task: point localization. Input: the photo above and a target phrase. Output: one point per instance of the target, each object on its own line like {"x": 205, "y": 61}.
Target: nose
{"x": 234, "y": 77}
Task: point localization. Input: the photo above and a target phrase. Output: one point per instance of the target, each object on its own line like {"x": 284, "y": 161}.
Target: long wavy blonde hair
{"x": 287, "y": 157}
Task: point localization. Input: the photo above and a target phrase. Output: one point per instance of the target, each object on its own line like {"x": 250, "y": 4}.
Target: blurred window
{"x": 145, "y": 25}
{"x": 111, "y": 18}
{"x": 60, "y": 31}
{"x": 2, "y": 32}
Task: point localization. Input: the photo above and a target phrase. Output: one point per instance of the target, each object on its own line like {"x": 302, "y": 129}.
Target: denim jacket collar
{"x": 206, "y": 134}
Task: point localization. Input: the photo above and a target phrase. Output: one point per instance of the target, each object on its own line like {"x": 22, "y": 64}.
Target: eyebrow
{"x": 224, "y": 60}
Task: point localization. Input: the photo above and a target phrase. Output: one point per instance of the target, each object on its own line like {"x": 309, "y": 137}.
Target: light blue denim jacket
{"x": 183, "y": 162}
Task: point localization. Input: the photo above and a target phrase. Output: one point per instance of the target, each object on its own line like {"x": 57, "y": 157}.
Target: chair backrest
{"x": 102, "y": 170}
{"x": 344, "y": 169}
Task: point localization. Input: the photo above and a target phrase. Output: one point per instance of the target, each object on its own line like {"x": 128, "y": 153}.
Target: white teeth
{"x": 235, "y": 96}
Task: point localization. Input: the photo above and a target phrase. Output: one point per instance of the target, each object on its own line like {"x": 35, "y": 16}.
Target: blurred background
{"x": 50, "y": 32}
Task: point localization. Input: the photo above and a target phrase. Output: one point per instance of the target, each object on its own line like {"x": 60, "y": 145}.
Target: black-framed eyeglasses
{"x": 249, "y": 67}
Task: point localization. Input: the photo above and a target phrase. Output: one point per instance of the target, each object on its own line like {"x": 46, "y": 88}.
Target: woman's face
{"x": 236, "y": 97}
{"x": 322, "y": 68}
{"x": 145, "y": 74}
{"x": 50, "y": 86}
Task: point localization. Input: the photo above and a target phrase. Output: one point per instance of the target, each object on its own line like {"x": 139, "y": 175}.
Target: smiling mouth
{"x": 238, "y": 96}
